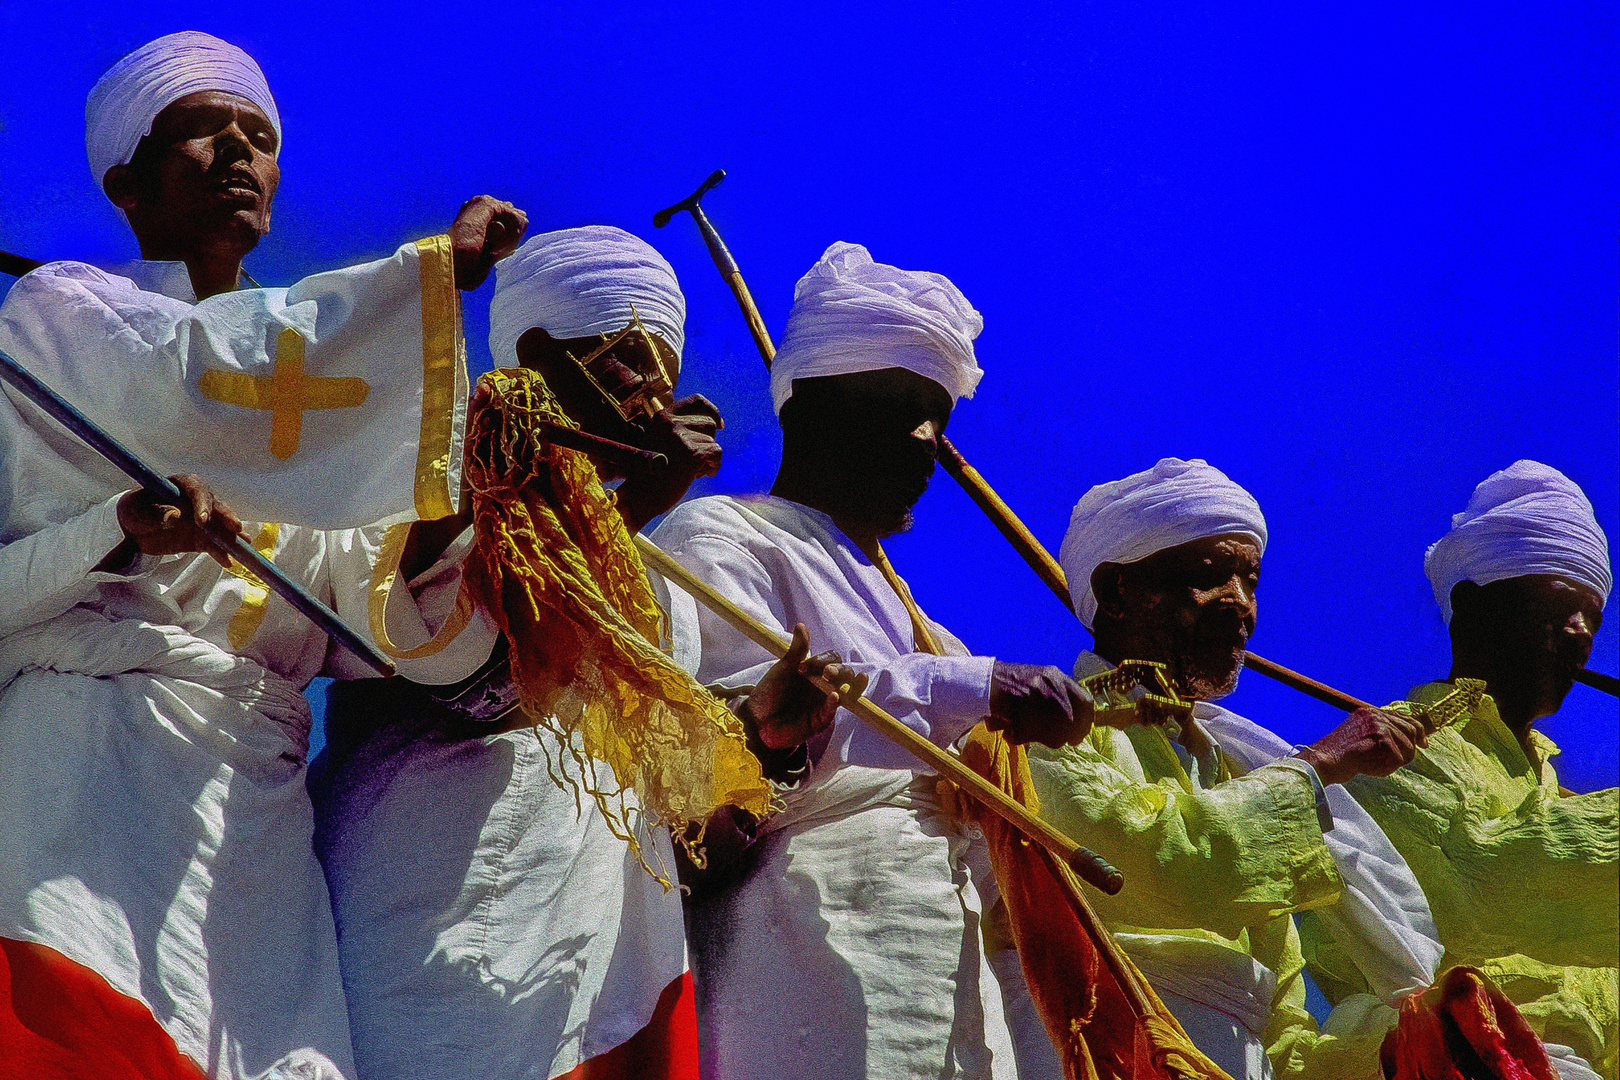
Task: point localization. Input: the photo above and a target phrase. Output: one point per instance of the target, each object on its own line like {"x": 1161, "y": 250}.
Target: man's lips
{"x": 239, "y": 185}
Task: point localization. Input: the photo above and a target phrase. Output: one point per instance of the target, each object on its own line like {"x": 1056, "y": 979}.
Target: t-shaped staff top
{"x": 723, "y": 261}
{"x": 693, "y": 202}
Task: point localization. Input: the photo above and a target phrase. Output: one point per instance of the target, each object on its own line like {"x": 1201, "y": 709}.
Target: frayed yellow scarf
{"x": 555, "y": 567}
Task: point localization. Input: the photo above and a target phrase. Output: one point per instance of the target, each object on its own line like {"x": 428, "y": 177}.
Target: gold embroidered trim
{"x": 444, "y": 380}
{"x": 382, "y": 583}
{"x": 245, "y": 623}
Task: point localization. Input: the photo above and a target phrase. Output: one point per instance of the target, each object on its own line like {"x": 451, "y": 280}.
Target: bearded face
{"x": 1191, "y": 607}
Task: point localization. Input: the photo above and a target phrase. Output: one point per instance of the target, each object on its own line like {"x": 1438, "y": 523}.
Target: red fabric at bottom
{"x": 666, "y": 1049}
{"x": 1463, "y": 1028}
{"x": 59, "y": 1020}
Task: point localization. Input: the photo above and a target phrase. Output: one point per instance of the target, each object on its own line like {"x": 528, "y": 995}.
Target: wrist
{"x": 1329, "y": 770}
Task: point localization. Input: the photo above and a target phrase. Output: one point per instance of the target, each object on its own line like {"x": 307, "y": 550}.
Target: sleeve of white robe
{"x": 52, "y": 570}
{"x": 415, "y": 611}
{"x": 940, "y": 697}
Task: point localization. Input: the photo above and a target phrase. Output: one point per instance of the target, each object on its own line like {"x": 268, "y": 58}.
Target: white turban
{"x": 125, "y": 101}
{"x": 1172, "y": 503}
{"x": 1527, "y": 519}
{"x": 853, "y": 314}
{"x": 574, "y": 283}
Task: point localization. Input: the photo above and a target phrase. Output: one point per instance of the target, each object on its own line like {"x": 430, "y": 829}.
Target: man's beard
{"x": 1204, "y": 666}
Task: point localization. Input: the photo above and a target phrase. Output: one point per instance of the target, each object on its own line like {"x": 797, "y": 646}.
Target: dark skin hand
{"x": 153, "y": 525}
{"x": 1038, "y": 703}
{"x": 485, "y": 231}
{"x": 1193, "y": 607}
{"x": 783, "y": 711}
{"x": 1525, "y": 636}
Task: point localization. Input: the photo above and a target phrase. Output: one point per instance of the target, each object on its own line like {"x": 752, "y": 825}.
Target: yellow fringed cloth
{"x": 1097, "y": 1031}
{"x": 556, "y": 568}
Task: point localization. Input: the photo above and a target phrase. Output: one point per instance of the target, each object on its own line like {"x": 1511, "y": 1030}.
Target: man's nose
{"x": 1238, "y": 591}
{"x": 1577, "y": 636}
{"x": 233, "y": 144}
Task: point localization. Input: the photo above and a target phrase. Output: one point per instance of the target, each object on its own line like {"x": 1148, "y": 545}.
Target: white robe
{"x": 491, "y": 927}
{"x": 153, "y": 820}
{"x": 852, "y": 947}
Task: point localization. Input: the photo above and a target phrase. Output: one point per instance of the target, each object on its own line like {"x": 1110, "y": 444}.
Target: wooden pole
{"x": 977, "y": 487}
{"x": 1598, "y": 681}
{"x": 1091, "y": 867}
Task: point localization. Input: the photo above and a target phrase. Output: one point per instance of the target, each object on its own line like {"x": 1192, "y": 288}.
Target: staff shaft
{"x": 237, "y": 547}
{"x": 978, "y": 488}
{"x": 17, "y": 265}
{"x": 1090, "y": 866}
{"x": 1598, "y": 681}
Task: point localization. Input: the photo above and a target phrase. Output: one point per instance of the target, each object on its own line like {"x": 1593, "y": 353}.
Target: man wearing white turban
{"x": 161, "y": 901}
{"x": 1522, "y": 875}
{"x": 490, "y": 922}
{"x": 1222, "y": 829}
{"x": 849, "y": 944}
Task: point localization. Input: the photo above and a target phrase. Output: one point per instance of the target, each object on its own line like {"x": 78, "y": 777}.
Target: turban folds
{"x": 1127, "y": 520}
{"x": 125, "y": 101}
{"x": 852, "y": 314}
{"x": 578, "y": 282}
{"x": 1527, "y": 519}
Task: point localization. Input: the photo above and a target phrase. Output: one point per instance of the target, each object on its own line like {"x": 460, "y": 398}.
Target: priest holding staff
{"x": 160, "y": 900}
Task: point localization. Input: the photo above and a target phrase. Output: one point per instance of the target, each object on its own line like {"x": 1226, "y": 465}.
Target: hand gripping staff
{"x": 1088, "y": 865}
{"x": 979, "y": 490}
{"x": 236, "y": 547}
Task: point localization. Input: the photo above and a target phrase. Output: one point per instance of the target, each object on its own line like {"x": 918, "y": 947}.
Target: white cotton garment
{"x": 577, "y": 282}
{"x": 852, "y": 948}
{"x": 1127, "y": 520}
{"x": 851, "y": 313}
{"x": 1529, "y": 518}
{"x": 122, "y": 105}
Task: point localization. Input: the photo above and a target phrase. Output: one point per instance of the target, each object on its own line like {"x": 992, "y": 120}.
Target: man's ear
{"x": 534, "y": 349}
{"x": 1108, "y": 586}
{"x": 120, "y": 185}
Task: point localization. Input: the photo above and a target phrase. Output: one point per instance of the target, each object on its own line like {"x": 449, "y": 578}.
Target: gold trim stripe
{"x": 382, "y": 583}
{"x": 250, "y": 616}
{"x": 444, "y": 376}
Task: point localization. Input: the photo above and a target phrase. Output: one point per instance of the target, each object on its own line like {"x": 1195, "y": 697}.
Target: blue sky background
{"x": 1357, "y": 259}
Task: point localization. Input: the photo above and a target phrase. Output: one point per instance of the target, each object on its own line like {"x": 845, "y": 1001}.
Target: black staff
{"x": 236, "y": 547}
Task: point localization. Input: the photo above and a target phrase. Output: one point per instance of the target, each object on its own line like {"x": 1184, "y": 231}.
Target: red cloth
{"x": 1463, "y": 1028}
{"x": 59, "y": 1020}
{"x": 666, "y": 1049}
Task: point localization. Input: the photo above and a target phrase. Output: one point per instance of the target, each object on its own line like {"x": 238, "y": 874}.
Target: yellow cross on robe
{"x": 286, "y": 392}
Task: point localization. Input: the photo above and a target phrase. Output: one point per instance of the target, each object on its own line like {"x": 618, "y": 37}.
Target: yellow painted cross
{"x": 286, "y": 393}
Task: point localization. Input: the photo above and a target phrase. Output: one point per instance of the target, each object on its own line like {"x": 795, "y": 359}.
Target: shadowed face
{"x": 619, "y": 372}
{"x": 1530, "y": 633}
{"x": 873, "y": 438}
{"x": 1191, "y": 607}
{"x": 202, "y": 180}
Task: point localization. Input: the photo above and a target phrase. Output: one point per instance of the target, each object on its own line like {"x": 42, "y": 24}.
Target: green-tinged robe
{"x": 1524, "y": 881}
{"x": 1216, "y": 861}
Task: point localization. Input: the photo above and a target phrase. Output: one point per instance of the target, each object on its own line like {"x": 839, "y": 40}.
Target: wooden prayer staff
{"x": 236, "y": 547}
{"x": 1598, "y": 681}
{"x": 16, "y": 265}
{"x": 1090, "y": 866}
{"x": 979, "y": 490}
